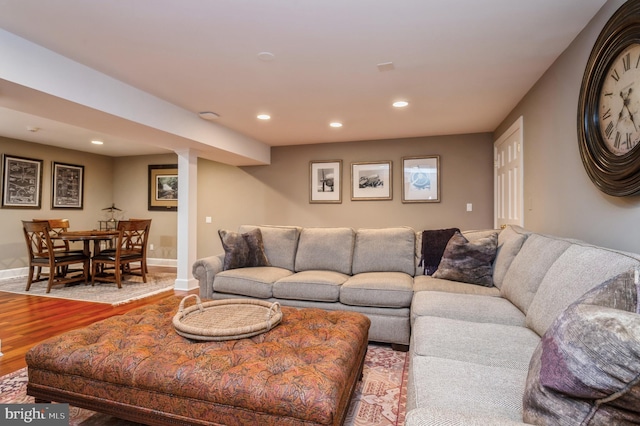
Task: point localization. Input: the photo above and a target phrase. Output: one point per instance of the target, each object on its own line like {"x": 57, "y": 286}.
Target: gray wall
{"x": 560, "y": 198}
{"x": 278, "y": 194}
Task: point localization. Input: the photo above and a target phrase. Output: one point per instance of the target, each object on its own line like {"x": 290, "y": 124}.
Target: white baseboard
{"x": 162, "y": 262}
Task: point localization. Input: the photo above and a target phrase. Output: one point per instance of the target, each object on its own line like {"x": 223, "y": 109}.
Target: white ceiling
{"x": 461, "y": 64}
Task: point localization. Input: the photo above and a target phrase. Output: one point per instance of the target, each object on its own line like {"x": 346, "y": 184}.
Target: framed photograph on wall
{"x": 67, "y": 186}
{"x": 21, "y": 182}
{"x": 325, "y": 181}
{"x": 163, "y": 187}
{"x": 371, "y": 181}
{"x": 421, "y": 179}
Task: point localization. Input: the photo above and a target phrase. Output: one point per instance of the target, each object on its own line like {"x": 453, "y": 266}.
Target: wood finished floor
{"x": 27, "y": 320}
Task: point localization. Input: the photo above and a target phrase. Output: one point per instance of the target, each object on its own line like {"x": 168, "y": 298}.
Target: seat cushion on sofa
{"x": 384, "y": 250}
{"x": 510, "y": 240}
{"x": 280, "y": 243}
{"x": 466, "y": 307}
{"x": 494, "y": 345}
{"x": 320, "y": 286}
{"x": 529, "y": 268}
{"x": 579, "y": 269}
{"x": 469, "y": 261}
{"x": 329, "y": 249}
{"x": 465, "y": 387}
{"x": 586, "y": 368}
{"x": 382, "y": 289}
{"x": 428, "y": 283}
{"x": 252, "y": 282}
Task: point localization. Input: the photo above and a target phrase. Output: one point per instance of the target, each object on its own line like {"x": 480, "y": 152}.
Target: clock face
{"x": 619, "y": 102}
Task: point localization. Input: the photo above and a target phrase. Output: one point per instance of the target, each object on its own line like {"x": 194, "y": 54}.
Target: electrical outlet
{"x": 150, "y": 246}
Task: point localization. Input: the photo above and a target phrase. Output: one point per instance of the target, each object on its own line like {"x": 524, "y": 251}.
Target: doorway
{"x": 508, "y": 177}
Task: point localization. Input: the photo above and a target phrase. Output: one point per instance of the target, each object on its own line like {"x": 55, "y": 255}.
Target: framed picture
{"x": 163, "y": 187}
{"x": 371, "y": 181}
{"x": 21, "y": 182}
{"x": 325, "y": 181}
{"x": 67, "y": 186}
{"x": 421, "y": 179}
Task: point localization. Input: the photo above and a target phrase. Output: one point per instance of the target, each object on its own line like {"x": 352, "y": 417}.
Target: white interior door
{"x": 508, "y": 177}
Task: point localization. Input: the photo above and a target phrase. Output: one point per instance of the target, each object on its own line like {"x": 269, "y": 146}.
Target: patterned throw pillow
{"x": 586, "y": 369}
{"x": 243, "y": 250}
{"x": 469, "y": 261}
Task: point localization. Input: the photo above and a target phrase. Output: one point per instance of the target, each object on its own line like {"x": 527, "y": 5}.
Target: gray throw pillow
{"x": 469, "y": 261}
{"x": 586, "y": 369}
{"x": 243, "y": 250}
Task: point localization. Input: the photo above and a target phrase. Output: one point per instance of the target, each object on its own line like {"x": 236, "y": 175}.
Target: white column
{"x": 187, "y": 218}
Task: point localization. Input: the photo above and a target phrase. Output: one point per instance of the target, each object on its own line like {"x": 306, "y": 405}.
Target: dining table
{"x": 87, "y": 237}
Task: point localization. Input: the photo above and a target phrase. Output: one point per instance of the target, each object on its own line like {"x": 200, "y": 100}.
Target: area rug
{"x": 132, "y": 289}
{"x": 379, "y": 399}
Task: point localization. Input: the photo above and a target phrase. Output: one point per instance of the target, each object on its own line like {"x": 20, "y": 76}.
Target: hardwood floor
{"x": 27, "y": 320}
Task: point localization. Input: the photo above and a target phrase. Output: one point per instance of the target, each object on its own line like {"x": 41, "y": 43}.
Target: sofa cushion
{"x": 434, "y": 241}
{"x": 466, "y": 307}
{"x": 510, "y": 240}
{"x": 529, "y": 268}
{"x": 493, "y": 345}
{"x": 469, "y": 261}
{"x": 319, "y": 286}
{"x": 253, "y": 282}
{"x": 384, "y": 289}
{"x": 384, "y": 250}
{"x": 586, "y": 369}
{"x": 429, "y": 283}
{"x": 243, "y": 250}
{"x": 579, "y": 269}
{"x": 280, "y": 243}
{"x": 329, "y": 249}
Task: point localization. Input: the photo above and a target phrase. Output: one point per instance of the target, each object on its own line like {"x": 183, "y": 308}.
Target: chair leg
{"x": 86, "y": 271}
{"x": 30, "y": 279}
{"x": 118, "y": 275}
{"x": 52, "y": 274}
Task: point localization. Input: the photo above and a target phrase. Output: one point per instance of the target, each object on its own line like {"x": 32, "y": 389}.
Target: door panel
{"x": 508, "y": 182}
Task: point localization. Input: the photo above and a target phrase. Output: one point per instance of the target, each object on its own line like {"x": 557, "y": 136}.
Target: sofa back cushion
{"x": 510, "y": 240}
{"x": 280, "y": 243}
{"x": 586, "y": 368}
{"x": 327, "y": 249}
{"x": 522, "y": 279}
{"x": 384, "y": 250}
{"x": 579, "y": 269}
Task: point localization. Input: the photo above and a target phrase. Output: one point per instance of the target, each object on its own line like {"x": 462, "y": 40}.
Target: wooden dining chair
{"x": 58, "y": 226}
{"x": 42, "y": 255}
{"x": 130, "y": 249}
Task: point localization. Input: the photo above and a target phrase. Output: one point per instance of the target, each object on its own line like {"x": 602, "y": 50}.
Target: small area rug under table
{"x": 132, "y": 289}
{"x": 379, "y": 399}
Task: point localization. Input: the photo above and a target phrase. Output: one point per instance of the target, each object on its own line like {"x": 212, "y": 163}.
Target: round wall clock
{"x": 609, "y": 105}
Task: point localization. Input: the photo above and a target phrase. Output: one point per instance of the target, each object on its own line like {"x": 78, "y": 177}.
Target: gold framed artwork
{"x": 421, "y": 179}
{"x": 325, "y": 181}
{"x": 163, "y": 187}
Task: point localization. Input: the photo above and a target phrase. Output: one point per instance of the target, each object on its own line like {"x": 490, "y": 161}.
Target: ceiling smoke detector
{"x": 208, "y": 115}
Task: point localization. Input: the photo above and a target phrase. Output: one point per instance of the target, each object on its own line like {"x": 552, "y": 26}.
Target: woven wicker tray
{"x": 225, "y": 319}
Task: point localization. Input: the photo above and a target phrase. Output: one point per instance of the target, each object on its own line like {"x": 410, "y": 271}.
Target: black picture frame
{"x": 163, "y": 187}
{"x": 67, "y": 186}
{"x": 21, "y": 182}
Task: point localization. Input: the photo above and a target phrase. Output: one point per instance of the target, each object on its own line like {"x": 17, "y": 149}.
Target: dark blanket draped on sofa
{"x": 434, "y": 242}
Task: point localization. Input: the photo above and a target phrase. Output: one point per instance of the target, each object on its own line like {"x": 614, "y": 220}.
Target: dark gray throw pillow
{"x": 586, "y": 369}
{"x": 469, "y": 261}
{"x": 243, "y": 250}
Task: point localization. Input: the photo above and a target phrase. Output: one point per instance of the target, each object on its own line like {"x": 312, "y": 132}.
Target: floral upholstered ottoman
{"x": 135, "y": 366}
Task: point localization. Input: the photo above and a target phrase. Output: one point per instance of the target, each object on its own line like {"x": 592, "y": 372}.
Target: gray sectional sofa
{"x": 555, "y": 340}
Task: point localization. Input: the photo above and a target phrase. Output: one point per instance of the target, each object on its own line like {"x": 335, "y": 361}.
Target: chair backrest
{"x": 38, "y": 238}
{"x": 134, "y": 234}
{"x": 56, "y": 227}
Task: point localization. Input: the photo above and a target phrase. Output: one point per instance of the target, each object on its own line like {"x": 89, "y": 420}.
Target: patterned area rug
{"x": 132, "y": 289}
{"x": 379, "y": 400}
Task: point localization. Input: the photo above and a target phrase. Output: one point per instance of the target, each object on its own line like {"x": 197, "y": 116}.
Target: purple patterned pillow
{"x": 586, "y": 369}
{"x": 469, "y": 261}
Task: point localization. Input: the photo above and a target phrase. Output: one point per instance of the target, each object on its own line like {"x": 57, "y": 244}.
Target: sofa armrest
{"x": 441, "y": 417}
{"x": 205, "y": 270}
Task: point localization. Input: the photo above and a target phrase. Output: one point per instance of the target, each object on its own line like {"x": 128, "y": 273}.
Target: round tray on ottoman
{"x": 225, "y": 319}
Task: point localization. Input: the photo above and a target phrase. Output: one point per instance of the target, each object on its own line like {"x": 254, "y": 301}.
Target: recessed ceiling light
{"x": 335, "y": 124}
{"x": 264, "y": 117}
{"x": 97, "y": 142}
{"x": 208, "y": 115}
{"x": 400, "y": 104}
